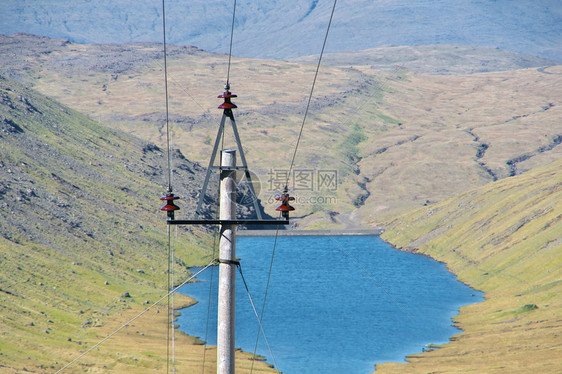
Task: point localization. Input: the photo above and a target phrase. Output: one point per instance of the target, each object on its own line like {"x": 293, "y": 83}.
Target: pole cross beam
{"x": 227, "y": 222}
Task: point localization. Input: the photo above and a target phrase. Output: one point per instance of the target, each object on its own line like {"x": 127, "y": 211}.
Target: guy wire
{"x": 216, "y": 234}
{"x": 256, "y": 314}
{"x": 260, "y": 319}
{"x": 136, "y": 317}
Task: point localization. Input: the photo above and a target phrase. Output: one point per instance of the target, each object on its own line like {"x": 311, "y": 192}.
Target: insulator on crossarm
{"x": 227, "y": 103}
{"x": 284, "y": 208}
{"x": 170, "y": 207}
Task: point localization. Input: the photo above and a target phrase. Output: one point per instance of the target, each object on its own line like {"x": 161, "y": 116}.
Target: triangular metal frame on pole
{"x": 228, "y": 225}
{"x": 227, "y": 106}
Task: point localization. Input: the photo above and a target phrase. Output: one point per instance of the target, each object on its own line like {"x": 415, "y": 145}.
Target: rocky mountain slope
{"x": 504, "y": 239}
{"x": 280, "y": 29}
{"x": 66, "y": 177}
{"x": 81, "y": 235}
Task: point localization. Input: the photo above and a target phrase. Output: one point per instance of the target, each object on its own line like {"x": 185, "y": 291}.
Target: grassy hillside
{"x": 83, "y": 246}
{"x": 506, "y": 240}
{"x": 383, "y": 131}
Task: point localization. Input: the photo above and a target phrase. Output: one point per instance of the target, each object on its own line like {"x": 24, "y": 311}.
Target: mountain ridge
{"x": 274, "y": 30}
{"x": 441, "y": 59}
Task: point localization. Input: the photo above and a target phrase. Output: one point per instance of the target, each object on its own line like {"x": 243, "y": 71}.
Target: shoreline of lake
{"x": 377, "y": 231}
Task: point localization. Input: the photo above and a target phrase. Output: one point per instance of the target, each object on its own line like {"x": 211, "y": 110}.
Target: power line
{"x": 260, "y": 318}
{"x": 170, "y": 250}
{"x": 167, "y": 97}
{"x": 311, "y": 91}
{"x": 230, "y": 48}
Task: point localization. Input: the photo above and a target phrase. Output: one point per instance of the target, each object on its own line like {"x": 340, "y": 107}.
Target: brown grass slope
{"x": 435, "y": 59}
{"x": 506, "y": 240}
{"x": 397, "y": 138}
{"x": 80, "y": 228}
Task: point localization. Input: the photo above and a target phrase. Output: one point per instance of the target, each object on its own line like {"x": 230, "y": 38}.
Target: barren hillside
{"x": 395, "y": 138}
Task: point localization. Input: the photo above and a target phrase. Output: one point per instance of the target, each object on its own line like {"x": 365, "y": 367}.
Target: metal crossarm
{"x": 227, "y": 222}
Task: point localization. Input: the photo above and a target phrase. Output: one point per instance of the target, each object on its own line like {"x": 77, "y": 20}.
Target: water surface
{"x": 335, "y": 304}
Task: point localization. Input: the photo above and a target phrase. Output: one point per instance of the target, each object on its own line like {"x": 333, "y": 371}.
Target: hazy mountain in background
{"x": 283, "y": 29}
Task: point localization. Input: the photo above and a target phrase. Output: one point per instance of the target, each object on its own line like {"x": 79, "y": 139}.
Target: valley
{"x": 458, "y": 160}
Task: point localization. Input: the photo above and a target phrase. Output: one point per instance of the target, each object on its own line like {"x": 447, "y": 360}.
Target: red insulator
{"x": 227, "y": 103}
{"x": 284, "y": 208}
{"x": 170, "y": 207}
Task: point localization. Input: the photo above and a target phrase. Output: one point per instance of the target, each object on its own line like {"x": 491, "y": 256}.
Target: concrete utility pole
{"x": 227, "y": 264}
{"x": 228, "y": 222}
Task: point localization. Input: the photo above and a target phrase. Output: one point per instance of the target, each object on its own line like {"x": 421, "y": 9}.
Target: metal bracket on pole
{"x": 227, "y": 113}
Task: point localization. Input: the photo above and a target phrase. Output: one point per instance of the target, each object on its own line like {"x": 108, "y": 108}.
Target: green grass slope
{"x": 83, "y": 245}
{"x": 506, "y": 240}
